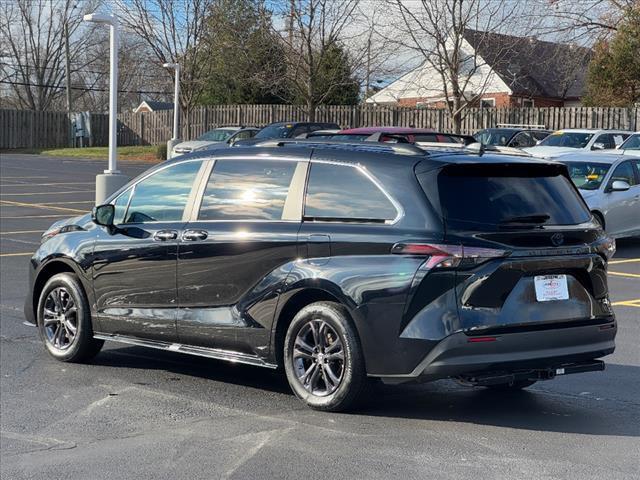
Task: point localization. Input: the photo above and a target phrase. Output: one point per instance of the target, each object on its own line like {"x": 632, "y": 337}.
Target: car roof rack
{"x": 399, "y": 148}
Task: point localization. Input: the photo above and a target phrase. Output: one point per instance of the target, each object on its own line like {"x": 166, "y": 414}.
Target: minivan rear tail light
{"x": 447, "y": 256}
{"x": 606, "y": 247}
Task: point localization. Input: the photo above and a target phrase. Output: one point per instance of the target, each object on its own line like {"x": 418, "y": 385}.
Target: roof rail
{"x": 522, "y": 125}
{"x": 400, "y": 148}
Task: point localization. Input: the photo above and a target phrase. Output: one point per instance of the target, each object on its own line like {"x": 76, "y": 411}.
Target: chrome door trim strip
{"x": 217, "y": 354}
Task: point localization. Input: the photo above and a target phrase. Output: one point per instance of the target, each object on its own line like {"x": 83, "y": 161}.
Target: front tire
{"x": 323, "y": 359}
{"x": 64, "y": 320}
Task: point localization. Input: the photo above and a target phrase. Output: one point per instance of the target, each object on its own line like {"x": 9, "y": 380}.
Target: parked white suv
{"x": 566, "y": 141}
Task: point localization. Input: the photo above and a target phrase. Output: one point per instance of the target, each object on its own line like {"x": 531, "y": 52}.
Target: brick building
{"x": 500, "y": 71}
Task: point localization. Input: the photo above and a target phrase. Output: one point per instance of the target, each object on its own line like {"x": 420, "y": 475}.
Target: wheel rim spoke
{"x": 318, "y": 358}
{"x": 60, "y": 318}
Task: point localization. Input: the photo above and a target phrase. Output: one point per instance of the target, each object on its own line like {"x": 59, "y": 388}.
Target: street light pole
{"x": 111, "y": 180}
{"x": 176, "y": 108}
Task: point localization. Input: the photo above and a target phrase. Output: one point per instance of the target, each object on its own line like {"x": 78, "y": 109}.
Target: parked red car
{"x": 397, "y": 135}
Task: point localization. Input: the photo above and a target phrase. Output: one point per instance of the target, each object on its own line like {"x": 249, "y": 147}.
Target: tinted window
{"x": 606, "y": 140}
{"x": 632, "y": 143}
{"x": 522, "y": 140}
{"x": 567, "y": 139}
{"x": 275, "y": 131}
{"x": 120, "y": 205}
{"x": 425, "y": 137}
{"x": 217, "y": 135}
{"x": 247, "y": 190}
{"x": 494, "y": 136}
{"x": 587, "y": 175}
{"x": 163, "y": 195}
{"x": 489, "y": 198}
{"x": 623, "y": 172}
{"x": 336, "y": 192}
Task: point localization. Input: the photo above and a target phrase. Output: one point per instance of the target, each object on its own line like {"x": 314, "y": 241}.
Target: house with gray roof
{"x": 507, "y": 71}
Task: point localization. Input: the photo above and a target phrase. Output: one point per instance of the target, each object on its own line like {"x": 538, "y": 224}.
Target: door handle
{"x": 164, "y": 235}
{"x": 194, "y": 235}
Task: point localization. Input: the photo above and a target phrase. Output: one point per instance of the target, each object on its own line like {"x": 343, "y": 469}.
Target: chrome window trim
{"x": 399, "y": 209}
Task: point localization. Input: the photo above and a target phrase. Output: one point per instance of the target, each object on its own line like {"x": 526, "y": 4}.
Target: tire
{"x": 312, "y": 367}
{"x": 64, "y": 320}
{"x": 512, "y": 387}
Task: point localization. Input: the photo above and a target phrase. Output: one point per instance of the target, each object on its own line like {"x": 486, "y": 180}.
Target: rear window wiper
{"x": 533, "y": 218}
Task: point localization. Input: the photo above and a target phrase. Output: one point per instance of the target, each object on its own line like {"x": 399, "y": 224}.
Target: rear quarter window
{"x": 345, "y": 193}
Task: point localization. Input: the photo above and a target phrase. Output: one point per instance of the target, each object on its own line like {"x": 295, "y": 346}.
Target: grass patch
{"x": 146, "y": 153}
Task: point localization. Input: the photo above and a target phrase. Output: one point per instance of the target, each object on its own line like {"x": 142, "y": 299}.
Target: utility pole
{"x": 176, "y": 108}
{"x": 67, "y": 70}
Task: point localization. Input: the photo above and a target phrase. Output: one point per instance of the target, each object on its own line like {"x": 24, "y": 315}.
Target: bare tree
{"x": 172, "y": 29}
{"x": 435, "y": 30}
{"x": 314, "y": 28}
{"x": 32, "y": 38}
{"x": 582, "y": 23}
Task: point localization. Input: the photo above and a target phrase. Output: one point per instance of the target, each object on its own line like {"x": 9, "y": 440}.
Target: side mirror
{"x": 103, "y": 215}
{"x": 598, "y": 146}
{"x": 620, "y": 186}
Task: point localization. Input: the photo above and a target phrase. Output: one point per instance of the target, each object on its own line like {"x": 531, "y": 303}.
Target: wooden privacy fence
{"x": 31, "y": 129}
{"x": 28, "y": 129}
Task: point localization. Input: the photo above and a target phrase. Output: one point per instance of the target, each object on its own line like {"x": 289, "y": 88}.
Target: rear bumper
{"x": 463, "y": 355}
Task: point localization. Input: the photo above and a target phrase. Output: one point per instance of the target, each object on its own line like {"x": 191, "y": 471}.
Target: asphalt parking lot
{"x": 137, "y": 413}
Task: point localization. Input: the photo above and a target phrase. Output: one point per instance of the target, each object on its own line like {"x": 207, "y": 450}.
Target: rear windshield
{"x": 491, "y": 197}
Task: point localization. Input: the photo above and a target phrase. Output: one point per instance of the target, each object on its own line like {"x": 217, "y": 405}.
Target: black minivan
{"x": 340, "y": 263}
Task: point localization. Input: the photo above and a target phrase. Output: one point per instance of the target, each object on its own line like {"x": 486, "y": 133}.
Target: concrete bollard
{"x": 107, "y": 184}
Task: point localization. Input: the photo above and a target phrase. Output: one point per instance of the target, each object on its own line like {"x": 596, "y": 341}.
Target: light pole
{"x": 111, "y": 180}
{"x": 176, "y": 108}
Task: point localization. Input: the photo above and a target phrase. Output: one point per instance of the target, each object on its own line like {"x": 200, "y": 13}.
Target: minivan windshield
{"x": 566, "y": 139}
{"x": 587, "y": 175}
{"x": 495, "y": 197}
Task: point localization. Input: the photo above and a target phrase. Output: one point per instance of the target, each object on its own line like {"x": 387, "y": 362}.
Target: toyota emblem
{"x": 557, "y": 239}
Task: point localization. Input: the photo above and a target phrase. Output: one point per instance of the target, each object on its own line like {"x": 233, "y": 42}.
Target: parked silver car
{"x": 610, "y": 184}
{"x": 631, "y": 145}
{"x": 216, "y": 138}
{"x": 574, "y": 140}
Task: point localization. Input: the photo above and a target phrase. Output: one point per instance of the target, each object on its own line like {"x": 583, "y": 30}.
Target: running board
{"x": 218, "y": 354}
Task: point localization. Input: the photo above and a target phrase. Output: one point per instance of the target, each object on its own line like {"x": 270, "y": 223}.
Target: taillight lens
{"x": 448, "y": 256}
{"x": 606, "y": 247}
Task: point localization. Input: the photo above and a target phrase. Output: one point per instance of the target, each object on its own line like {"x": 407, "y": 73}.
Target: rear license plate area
{"x": 551, "y": 288}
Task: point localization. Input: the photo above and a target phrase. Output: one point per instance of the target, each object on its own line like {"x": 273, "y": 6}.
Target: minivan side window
{"x": 247, "y": 190}
{"x": 162, "y": 196}
{"x": 345, "y": 193}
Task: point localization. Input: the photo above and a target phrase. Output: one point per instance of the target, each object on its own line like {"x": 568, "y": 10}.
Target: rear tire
{"x": 512, "y": 387}
{"x": 64, "y": 320}
{"x": 323, "y": 359}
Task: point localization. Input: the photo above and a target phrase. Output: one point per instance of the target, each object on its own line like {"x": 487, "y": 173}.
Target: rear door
{"x": 237, "y": 245}
{"x": 548, "y": 273}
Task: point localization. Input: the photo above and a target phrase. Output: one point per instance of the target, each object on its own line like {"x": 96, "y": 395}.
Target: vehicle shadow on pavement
{"x": 197, "y": 367}
{"x": 544, "y": 407}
